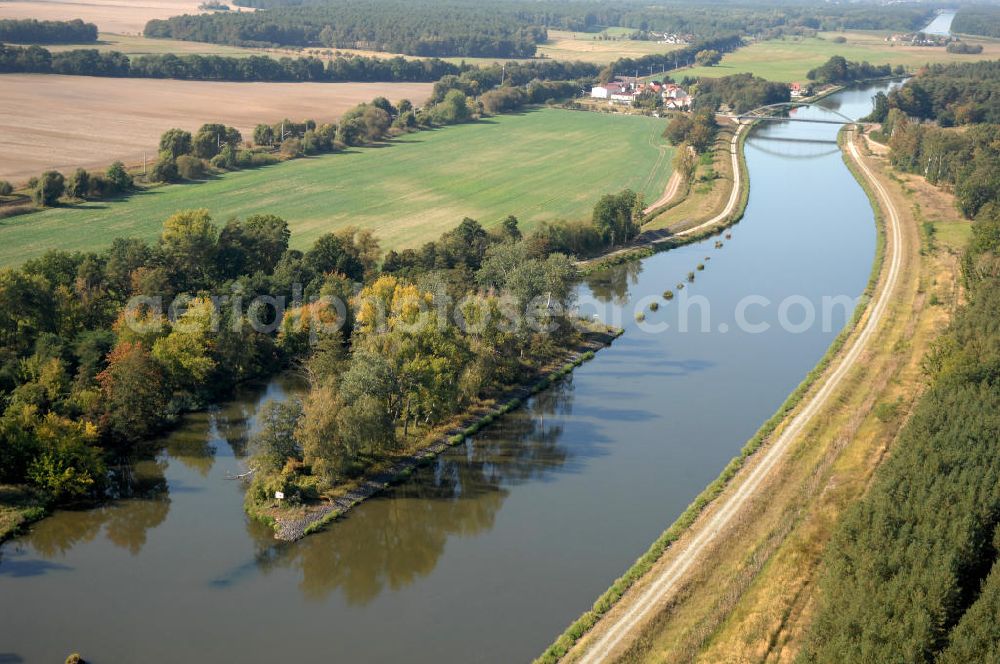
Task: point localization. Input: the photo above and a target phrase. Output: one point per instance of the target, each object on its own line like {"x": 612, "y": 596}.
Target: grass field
{"x": 563, "y": 45}
{"x": 540, "y": 165}
{"x": 791, "y": 58}
{"x": 137, "y": 45}
{"x": 90, "y": 122}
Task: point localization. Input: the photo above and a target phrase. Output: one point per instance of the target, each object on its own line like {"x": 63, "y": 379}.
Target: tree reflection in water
{"x": 612, "y": 285}
{"x": 143, "y": 505}
{"x": 394, "y": 539}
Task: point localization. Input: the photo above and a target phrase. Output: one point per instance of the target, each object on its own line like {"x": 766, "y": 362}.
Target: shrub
{"x": 164, "y": 170}
{"x": 6, "y": 189}
{"x": 75, "y": 659}
{"x": 701, "y": 266}
{"x": 49, "y": 188}
{"x": 653, "y": 306}
{"x": 190, "y": 168}
{"x": 292, "y": 147}
{"x": 79, "y": 184}
{"x": 244, "y": 159}
{"x": 119, "y": 177}
{"x": 668, "y": 295}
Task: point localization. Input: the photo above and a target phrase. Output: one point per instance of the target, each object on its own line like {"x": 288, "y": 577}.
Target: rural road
{"x": 673, "y": 184}
{"x": 617, "y": 628}
{"x": 734, "y": 194}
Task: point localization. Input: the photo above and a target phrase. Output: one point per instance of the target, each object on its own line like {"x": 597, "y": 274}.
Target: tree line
{"x": 912, "y": 572}
{"x": 952, "y": 94}
{"x": 739, "y": 92}
{"x": 445, "y": 29}
{"x": 983, "y": 20}
{"x": 839, "y": 70}
{"x": 91, "y": 62}
{"x": 87, "y": 371}
{"x": 703, "y": 20}
{"x": 31, "y": 31}
{"x": 670, "y": 60}
{"x": 402, "y": 372}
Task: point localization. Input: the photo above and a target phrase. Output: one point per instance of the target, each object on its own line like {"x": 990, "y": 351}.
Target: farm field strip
{"x": 122, "y": 16}
{"x": 90, "y": 122}
{"x": 540, "y": 166}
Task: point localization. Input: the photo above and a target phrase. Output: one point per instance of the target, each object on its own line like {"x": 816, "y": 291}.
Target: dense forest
{"x": 424, "y": 29}
{"x": 703, "y": 20}
{"x": 913, "y": 573}
{"x": 512, "y": 28}
{"x": 981, "y": 20}
{"x": 953, "y": 94}
{"x": 30, "y": 31}
{"x": 740, "y": 92}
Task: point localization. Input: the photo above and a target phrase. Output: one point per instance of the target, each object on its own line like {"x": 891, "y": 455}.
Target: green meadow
{"x": 789, "y": 59}
{"x": 541, "y": 165}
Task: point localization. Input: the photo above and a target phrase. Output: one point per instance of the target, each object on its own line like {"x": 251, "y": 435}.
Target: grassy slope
{"x": 540, "y": 165}
{"x": 752, "y": 596}
{"x": 790, "y": 59}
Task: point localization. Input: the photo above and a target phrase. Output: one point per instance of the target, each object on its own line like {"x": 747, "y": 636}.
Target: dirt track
{"x": 63, "y": 122}
{"x": 616, "y": 629}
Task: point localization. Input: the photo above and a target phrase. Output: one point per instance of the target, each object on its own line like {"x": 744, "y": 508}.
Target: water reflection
{"x": 612, "y": 286}
{"x": 599, "y": 466}
{"x": 396, "y": 538}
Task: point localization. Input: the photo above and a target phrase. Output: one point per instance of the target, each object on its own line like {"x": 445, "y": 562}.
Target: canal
{"x": 489, "y": 553}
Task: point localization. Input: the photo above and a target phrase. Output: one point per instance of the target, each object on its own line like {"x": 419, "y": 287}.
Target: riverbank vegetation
{"x": 90, "y": 373}
{"x": 421, "y": 349}
{"x": 730, "y": 604}
{"x": 912, "y": 568}
{"x": 966, "y": 159}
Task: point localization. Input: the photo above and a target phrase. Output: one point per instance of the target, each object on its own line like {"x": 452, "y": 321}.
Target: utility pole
{"x": 144, "y": 163}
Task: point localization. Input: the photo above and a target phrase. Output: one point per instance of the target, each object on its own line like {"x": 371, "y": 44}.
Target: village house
{"x": 625, "y": 90}
{"x": 675, "y": 98}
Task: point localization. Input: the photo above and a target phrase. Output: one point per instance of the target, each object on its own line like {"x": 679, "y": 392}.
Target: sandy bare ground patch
{"x": 63, "y": 122}
{"x": 123, "y": 16}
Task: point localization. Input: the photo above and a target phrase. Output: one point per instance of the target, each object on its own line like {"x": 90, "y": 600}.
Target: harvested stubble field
{"x": 123, "y": 16}
{"x": 539, "y": 165}
{"x": 63, "y": 122}
{"x": 789, "y": 59}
